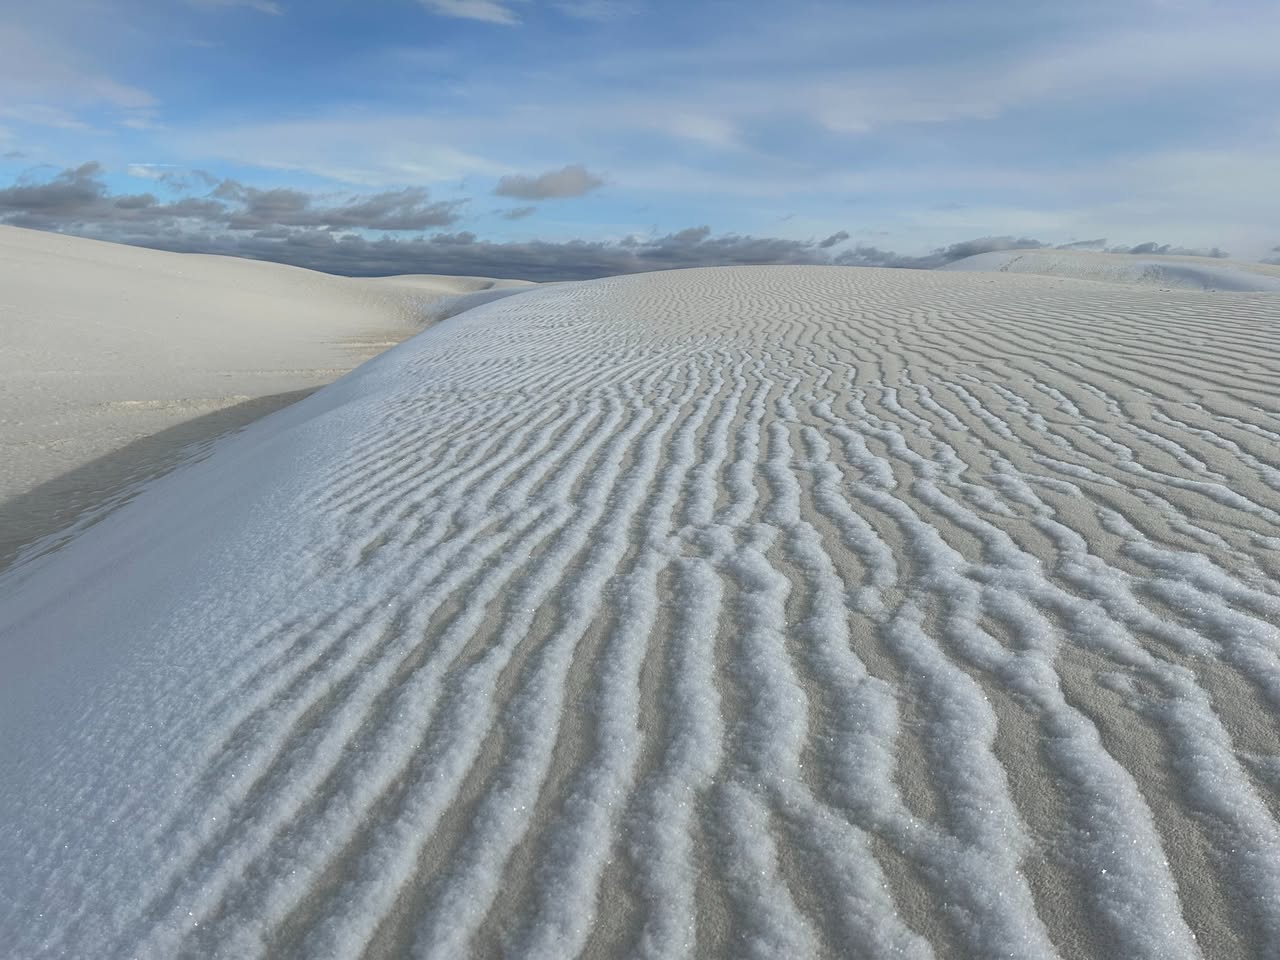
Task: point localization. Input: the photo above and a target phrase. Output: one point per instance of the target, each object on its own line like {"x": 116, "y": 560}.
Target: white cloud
{"x": 490, "y": 11}
{"x": 151, "y": 171}
{"x": 714, "y": 131}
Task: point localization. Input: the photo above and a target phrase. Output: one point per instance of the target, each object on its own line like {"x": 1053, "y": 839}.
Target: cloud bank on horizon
{"x": 566, "y": 138}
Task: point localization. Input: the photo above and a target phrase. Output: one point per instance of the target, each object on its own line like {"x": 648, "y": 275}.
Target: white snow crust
{"x": 760, "y": 612}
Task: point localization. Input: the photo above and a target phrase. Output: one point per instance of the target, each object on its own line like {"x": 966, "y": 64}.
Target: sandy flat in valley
{"x": 739, "y": 612}
{"x": 114, "y": 359}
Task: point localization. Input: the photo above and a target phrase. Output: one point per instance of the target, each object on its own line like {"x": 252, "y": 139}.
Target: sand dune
{"x": 768, "y": 612}
{"x": 1170, "y": 273}
{"x": 107, "y": 346}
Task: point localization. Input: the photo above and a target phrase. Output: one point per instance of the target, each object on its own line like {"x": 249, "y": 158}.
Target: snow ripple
{"x": 735, "y": 612}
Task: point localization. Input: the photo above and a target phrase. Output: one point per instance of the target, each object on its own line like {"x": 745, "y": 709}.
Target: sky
{"x": 568, "y": 138}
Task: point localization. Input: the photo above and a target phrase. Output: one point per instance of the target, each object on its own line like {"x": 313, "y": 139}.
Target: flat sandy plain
{"x": 738, "y": 612}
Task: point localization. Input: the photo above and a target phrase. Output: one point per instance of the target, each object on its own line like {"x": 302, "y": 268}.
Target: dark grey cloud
{"x": 463, "y": 253}
{"x": 1167, "y": 249}
{"x": 70, "y": 191}
{"x": 79, "y": 197}
{"x": 294, "y": 227}
{"x": 518, "y": 213}
{"x": 407, "y": 209}
{"x": 869, "y": 256}
{"x": 1149, "y": 248}
{"x": 177, "y": 179}
{"x": 571, "y": 181}
{"x": 970, "y": 248}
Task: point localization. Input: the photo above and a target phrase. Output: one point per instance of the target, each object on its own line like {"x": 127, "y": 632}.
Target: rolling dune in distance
{"x": 727, "y": 612}
{"x": 1167, "y": 272}
{"x": 118, "y": 361}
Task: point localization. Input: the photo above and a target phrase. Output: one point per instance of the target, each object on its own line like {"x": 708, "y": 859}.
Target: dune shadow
{"x": 49, "y": 516}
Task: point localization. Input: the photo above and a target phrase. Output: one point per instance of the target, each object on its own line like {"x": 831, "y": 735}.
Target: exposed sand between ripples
{"x": 771, "y": 611}
{"x": 117, "y": 359}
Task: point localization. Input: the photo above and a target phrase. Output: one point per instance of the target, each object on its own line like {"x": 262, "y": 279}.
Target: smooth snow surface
{"x": 749, "y": 612}
{"x": 115, "y": 361}
{"x": 1167, "y": 272}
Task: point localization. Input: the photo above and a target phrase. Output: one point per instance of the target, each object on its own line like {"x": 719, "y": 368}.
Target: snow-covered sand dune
{"x": 751, "y": 612}
{"x": 115, "y": 360}
{"x": 1168, "y": 272}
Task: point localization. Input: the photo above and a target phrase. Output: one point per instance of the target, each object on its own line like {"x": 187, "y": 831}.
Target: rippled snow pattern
{"x": 766, "y": 612}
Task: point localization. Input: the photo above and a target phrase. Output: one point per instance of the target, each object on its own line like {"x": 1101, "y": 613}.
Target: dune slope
{"x": 107, "y": 346}
{"x": 736, "y": 612}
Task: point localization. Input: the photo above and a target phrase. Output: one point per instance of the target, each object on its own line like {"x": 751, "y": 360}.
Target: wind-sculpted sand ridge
{"x": 733, "y": 612}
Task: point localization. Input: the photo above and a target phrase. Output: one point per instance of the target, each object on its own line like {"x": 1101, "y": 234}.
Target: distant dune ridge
{"x": 106, "y": 345}
{"x": 1169, "y": 272}
{"x": 752, "y": 612}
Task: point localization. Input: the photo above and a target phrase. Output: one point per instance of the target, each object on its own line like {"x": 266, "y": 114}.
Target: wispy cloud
{"x": 45, "y": 82}
{"x": 489, "y": 11}
{"x": 370, "y": 151}
{"x": 42, "y": 115}
{"x": 262, "y": 6}
{"x": 503, "y": 11}
{"x": 600, "y": 10}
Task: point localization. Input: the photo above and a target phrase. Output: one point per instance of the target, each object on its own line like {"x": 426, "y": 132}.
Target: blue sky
{"x": 908, "y": 125}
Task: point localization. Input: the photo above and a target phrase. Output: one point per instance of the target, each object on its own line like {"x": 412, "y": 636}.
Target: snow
{"x": 120, "y": 362}
{"x": 761, "y": 611}
{"x": 1166, "y": 272}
